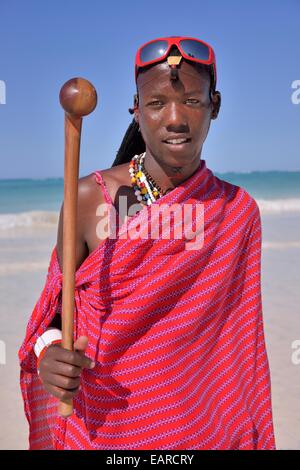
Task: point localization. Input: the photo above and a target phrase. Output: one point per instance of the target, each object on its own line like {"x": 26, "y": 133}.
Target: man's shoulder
{"x": 239, "y": 196}
{"x": 116, "y": 174}
{"x": 89, "y": 189}
{"x": 112, "y": 175}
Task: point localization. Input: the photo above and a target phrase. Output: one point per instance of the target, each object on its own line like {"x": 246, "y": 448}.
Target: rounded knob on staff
{"x": 78, "y": 97}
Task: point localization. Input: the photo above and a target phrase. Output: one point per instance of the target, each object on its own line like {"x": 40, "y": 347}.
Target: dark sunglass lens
{"x": 195, "y": 49}
{"x": 153, "y": 51}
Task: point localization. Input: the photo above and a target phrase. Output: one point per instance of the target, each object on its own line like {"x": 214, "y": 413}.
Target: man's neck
{"x": 168, "y": 177}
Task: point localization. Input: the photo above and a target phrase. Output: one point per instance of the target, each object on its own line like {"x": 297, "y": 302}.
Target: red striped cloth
{"x": 177, "y": 335}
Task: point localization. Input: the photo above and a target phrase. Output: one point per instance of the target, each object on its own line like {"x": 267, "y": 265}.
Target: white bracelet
{"x": 50, "y": 335}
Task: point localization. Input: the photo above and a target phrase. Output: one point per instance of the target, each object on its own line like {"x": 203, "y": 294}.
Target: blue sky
{"x": 44, "y": 43}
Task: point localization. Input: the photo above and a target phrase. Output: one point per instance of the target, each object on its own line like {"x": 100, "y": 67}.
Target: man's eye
{"x": 155, "y": 103}
{"x": 193, "y": 100}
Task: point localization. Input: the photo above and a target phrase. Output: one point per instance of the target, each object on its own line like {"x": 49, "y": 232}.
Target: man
{"x": 169, "y": 342}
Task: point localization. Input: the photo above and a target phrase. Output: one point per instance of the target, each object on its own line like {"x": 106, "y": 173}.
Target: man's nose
{"x": 176, "y": 116}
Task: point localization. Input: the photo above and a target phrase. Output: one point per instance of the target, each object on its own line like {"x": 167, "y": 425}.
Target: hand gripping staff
{"x": 78, "y": 98}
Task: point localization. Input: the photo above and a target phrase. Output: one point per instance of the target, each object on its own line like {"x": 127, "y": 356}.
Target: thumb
{"x": 81, "y": 343}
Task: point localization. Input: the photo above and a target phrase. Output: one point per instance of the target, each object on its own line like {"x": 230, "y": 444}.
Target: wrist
{"x": 49, "y": 337}
{"x": 42, "y": 353}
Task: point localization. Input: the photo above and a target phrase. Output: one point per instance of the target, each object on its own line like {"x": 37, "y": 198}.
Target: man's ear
{"x": 136, "y": 107}
{"x": 215, "y": 103}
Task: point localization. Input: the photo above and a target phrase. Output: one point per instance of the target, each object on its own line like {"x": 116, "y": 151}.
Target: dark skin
{"x": 174, "y": 108}
{"x": 164, "y": 109}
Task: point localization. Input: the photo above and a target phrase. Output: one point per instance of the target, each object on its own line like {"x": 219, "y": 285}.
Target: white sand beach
{"x": 24, "y": 258}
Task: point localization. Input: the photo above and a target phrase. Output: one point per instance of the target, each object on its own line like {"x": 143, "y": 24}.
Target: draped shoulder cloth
{"x": 175, "y": 327}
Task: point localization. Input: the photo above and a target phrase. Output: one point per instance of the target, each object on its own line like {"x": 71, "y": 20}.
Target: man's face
{"x": 174, "y": 109}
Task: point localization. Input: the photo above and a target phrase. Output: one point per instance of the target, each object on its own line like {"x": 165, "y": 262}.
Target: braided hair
{"x": 133, "y": 142}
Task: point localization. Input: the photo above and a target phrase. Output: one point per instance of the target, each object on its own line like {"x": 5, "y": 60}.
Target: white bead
{"x": 143, "y": 178}
{"x": 149, "y": 191}
{"x": 139, "y": 198}
{"x": 137, "y": 192}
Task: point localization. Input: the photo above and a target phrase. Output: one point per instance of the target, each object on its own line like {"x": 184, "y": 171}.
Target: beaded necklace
{"x": 145, "y": 188}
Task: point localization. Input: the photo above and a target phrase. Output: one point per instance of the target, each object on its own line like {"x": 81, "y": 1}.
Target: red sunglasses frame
{"x": 175, "y": 41}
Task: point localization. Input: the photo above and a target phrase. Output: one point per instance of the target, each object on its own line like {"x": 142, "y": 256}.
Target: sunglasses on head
{"x": 190, "y": 48}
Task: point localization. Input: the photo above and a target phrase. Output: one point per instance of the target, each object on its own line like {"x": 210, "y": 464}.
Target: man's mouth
{"x": 176, "y": 141}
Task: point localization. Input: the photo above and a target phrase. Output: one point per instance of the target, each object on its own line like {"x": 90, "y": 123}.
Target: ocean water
{"x": 28, "y": 218}
{"x": 30, "y": 202}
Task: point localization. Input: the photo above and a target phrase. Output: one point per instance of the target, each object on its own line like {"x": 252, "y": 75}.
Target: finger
{"x": 60, "y": 393}
{"x": 80, "y": 346}
{"x": 74, "y": 358}
{"x": 67, "y": 370}
{"x": 81, "y": 343}
{"x": 65, "y": 383}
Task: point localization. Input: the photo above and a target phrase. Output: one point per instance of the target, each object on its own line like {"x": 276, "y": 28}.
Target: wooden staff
{"x": 78, "y": 98}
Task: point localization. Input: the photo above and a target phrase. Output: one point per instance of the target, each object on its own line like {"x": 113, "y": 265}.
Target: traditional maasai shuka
{"x": 176, "y": 333}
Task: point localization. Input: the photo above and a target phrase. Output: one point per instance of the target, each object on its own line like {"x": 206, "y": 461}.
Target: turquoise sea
{"x": 25, "y": 202}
